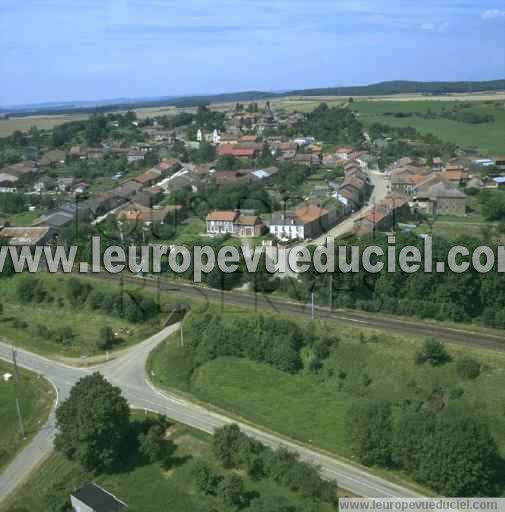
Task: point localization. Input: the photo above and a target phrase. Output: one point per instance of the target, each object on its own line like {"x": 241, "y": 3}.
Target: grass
{"x": 314, "y": 406}
{"x": 142, "y": 486}
{"x": 36, "y": 398}
{"x": 24, "y": 218}
{"x": 487, "y": 137}
{"x": 84, "y": 322}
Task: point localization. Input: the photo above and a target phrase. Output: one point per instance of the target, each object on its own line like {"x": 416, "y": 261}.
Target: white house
{"x": 200, "y": 136}
{"x": 216, "y": 137}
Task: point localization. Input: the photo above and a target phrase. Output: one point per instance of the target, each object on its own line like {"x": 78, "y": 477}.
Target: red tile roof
{"x": 223, "y": 216}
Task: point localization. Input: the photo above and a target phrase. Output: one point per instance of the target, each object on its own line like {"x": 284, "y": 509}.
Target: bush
{"x": 64, "y": 334}
{"x": 433, "y": 352}
{"x": 31, "y": 289}
{"x": 468, "y": 368}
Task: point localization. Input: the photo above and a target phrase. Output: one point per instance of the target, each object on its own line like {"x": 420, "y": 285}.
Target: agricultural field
{"x": 36, "y": 397}
{"x": 62, "y": 329}
{"x": 487, "y": 138}
{"x": 8, "y": 126}
{"x": 364, "y": 364}
{"x": 143, "y": 486}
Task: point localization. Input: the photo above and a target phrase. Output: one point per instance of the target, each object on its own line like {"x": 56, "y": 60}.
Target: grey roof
{"x": 98, "y": 499}
{"x": 441, "y": 190}
{"x": 56, "y": 219}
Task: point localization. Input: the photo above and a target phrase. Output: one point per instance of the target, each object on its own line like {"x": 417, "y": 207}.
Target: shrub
{"x": 433, "y": 352}
{"x": 468, "y": 368}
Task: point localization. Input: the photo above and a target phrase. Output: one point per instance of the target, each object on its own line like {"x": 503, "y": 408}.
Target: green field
{"x": 314, "y": 406}
{"x": 36, "y": 397}
{"x": 144, "y": 487}
{"x": 20, "y": 323}
{"x": 488, "y": 138}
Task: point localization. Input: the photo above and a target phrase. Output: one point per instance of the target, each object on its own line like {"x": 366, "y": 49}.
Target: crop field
{"x": 487, "y": 138}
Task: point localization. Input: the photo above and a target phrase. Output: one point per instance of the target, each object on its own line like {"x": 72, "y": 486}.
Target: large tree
{"x": 92, "y": 423}
{"x": 370, "y": 429}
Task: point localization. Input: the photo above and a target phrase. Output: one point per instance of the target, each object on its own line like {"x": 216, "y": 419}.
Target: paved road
{"x": 128, "y": 372}
{"x": 379, "y": 192}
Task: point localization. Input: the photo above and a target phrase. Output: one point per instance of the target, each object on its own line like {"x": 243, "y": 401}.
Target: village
{"x": 309, "y": 187}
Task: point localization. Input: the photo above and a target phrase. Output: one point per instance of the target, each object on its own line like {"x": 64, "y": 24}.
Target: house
{"x": 248, "y": 226}
{"x": 234, "y": 223}
{"x": 228, "y": 139}
{"x": 344, "y": 153}
{"x": 441, "y": 198}
{"x": 231, "y": 177}
{"x": 372, "y": 221}
{"x": 7, "y": 180}
{"x": 64, "y": 184}
{"x": 57, "y": 218}
{"x": 52, "y": 158}
{"x": 149, "y": 177}
{"x": 78, "y": 153}
{"x": 26, "y": 236}
{"x": 200, "y": 135}
{"x": 248, "y": 139}
{"x": 93, "y": 498}
{"x": 169, "y": 166}
{"x": 136, "y": 212}
{"x": 21, "y": 168}
{"x": 221, "y": 222}
{"x": 236, "y": 151}
{"x": 127, "y": 190}
{"x": 135, "y": 155}
{"x": 216, "y": 137}
{"x": 306, "y": 222}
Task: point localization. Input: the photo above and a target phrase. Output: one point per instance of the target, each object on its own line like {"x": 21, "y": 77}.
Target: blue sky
{"x": 59, "y": 50}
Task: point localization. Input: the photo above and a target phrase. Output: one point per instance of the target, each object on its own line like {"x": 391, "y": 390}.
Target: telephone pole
{"x": 16, "y": 390}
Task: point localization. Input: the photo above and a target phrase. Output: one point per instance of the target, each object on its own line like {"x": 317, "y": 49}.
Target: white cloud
{"x": 490, "y": 14}
{"x": 435, "y": 27}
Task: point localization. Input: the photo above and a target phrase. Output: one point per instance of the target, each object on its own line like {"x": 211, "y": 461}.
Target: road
{"x": 379, "y": 192}
{"x": 128, "y": 372}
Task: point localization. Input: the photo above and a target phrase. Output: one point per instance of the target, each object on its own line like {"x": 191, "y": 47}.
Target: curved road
{"x": 128, "y": 372}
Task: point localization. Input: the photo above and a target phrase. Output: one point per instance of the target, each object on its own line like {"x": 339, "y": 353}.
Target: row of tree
{"x": 235, "y": 450}
{"x": 449, "y": 452}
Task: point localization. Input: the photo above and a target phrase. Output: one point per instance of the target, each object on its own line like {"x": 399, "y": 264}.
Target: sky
{"x": 64, "y": 50}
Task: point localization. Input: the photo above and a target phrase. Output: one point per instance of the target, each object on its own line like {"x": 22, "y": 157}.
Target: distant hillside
{"x": 379, "y": 89}
{"x": 404, "y": 87}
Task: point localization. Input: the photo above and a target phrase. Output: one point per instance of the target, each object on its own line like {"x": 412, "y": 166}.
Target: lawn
{"x": 144, "y": 487}
{"x": 36, "y": 397}
{"x": 21, "y": 323}
{"x": 486, "y": 137}
{"x": 314, "y": 406}
{"x": 24, "y": 218}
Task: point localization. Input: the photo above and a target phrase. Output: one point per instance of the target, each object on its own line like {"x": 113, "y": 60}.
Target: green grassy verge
{"x": 20, "y": 322}
{"x": 144, "y": 487}
{"x": 36, "y": 397}
{"x": 311, "y": 408}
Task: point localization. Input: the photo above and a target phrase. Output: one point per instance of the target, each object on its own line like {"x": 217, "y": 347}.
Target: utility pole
{"x": 331, "y": 291}
{"x": 182, "y": 334}
{"x": 18, "y": 405}
{"x": 312, "y": 305}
